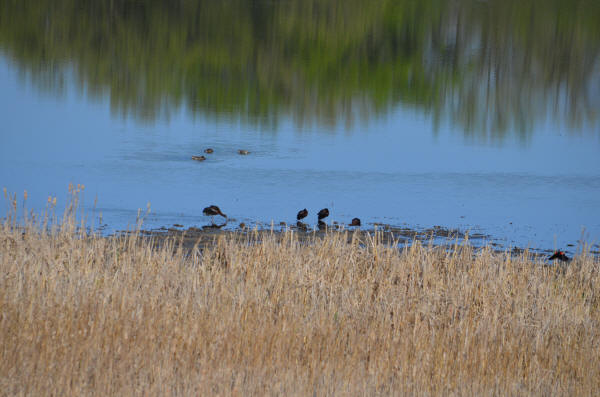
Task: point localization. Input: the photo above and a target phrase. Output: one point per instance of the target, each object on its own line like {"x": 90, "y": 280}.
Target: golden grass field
{"x": 87, "y": 315}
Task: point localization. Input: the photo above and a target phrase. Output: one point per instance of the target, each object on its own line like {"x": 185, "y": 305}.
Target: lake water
{"x": 455, "y": 120}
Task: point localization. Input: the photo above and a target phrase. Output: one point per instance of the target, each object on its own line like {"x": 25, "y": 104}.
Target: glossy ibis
{"x": 560, "y": 255}
{"x": 324, "y": 213}
{"x": 302, "y": 214}
{"x": 198, "y": 158}
{"x": 212, "y": 211}
{"x": 355, "y": 222}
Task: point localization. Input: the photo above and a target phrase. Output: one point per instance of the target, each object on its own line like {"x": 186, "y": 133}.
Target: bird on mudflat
{"x": 355, "y": 222}
{"x": 324, "y": 213}
{"x": 560, "y": 255}
{"x": 302, "y": 214}
{"x": 212, "y": 211}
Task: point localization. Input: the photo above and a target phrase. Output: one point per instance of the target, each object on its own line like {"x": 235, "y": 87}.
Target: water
{"x": 510, "y": 151}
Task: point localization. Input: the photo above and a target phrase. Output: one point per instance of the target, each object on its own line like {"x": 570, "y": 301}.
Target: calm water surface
{"x": 410, "y": 122}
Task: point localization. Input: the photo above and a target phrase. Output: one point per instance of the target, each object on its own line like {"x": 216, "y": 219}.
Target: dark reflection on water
{"x": 491, "y": 67}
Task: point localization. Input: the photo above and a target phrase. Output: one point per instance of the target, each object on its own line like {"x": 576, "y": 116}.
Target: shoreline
{"x": 436, "y": 236}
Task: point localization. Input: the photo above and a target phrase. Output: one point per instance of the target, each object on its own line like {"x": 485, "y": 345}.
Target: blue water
{"x": 398, "y": 168}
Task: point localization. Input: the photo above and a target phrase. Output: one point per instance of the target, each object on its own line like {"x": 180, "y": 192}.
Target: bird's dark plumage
{"x": 302, "y": 214}
{"x": 355, "y": 222}
{"x": 212, "y": 211}
{"x": 324, "y": 213}
{"x": 560, "y": 255}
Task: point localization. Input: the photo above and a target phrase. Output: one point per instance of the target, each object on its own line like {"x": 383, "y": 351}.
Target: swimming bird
{"x": 324, "y": 213}
{"x": 243, "y": 152}
{"x": 355, "y": 222}
{"x": 209, "y": 150}
{"x": 302, "y": 214}
{"x": 198, "y": 158}
{"x": 212, "y": 211}
{"x": 560, "y": 255}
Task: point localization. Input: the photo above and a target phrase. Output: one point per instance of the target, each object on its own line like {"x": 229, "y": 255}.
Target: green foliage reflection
{"x": 490, "y": 66}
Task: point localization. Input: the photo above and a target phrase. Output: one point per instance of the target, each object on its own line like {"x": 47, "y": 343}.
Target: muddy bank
{"x": 387, "y": 234}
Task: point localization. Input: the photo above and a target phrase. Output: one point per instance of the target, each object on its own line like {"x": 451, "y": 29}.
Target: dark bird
{"x": 209, "y": 150}
{"x": 302, "y": 214}
{"x": 355, "y": 222}
{"x": 324, "y": 213}
{"x": 212, "y": 211}
{"x": 322, "y": 225}
{"x": 560, "y": 255}
{"x": 243, "y": 152}
{"x": 198, "y": 158}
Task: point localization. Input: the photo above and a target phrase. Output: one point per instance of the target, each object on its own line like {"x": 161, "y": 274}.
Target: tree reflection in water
{"x": 490, "y": 67}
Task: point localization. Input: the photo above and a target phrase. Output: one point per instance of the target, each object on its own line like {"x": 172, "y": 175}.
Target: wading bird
{"x": 212, "y": 211}
{"x": 560, "y": 255}
{"x": 355, "y": 222}
{"x": 324, "y": 213}
{"x": 302, "y": 214}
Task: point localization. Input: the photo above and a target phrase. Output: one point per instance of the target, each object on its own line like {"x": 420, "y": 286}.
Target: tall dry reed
{"x": 87, "y": 315}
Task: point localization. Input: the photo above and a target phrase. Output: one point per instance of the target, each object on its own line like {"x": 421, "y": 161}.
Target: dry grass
{"x": 84, "y": 315}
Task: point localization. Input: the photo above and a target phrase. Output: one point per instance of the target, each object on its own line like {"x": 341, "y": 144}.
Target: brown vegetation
{"x": 83, "y": 314}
